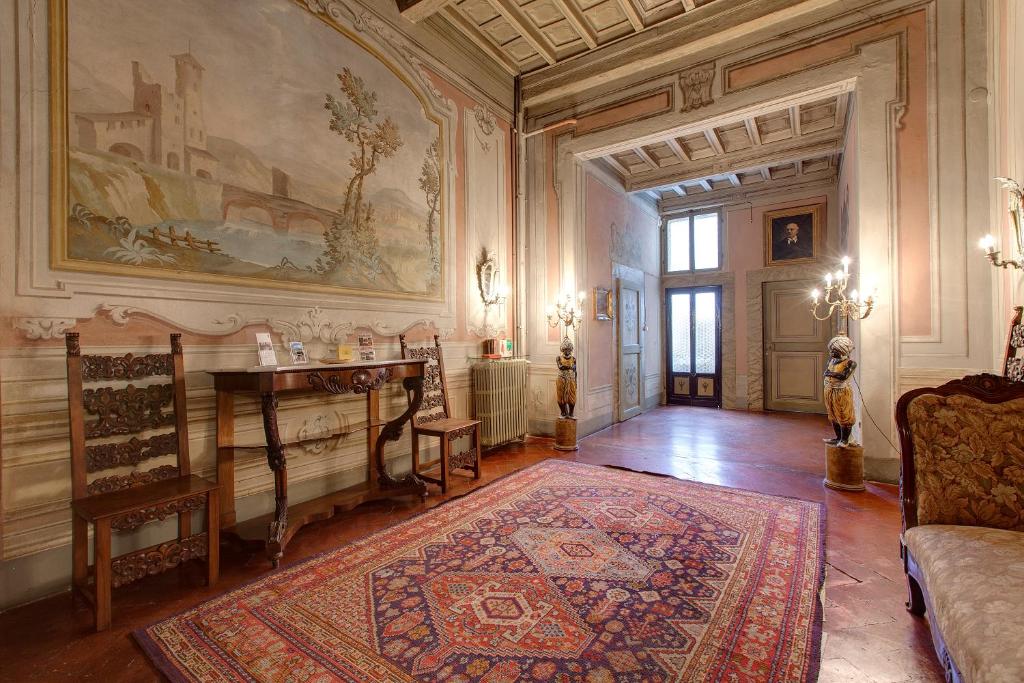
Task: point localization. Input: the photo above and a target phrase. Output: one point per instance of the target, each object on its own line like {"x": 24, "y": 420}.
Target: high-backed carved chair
{"x": 434, "y": 419}
{"x": 100, "y": 419}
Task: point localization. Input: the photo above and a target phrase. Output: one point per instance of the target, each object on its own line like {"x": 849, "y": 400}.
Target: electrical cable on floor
{"x": 864, "y": 406}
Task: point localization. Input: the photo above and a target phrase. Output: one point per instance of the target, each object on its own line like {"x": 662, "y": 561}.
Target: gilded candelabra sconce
{"x": 988, "y": 242}
{"x": 844, "y": 459}
{"x": 567, "y": 312}
{"x": 857, "y": 306}
{"x": 1013, "y": 361}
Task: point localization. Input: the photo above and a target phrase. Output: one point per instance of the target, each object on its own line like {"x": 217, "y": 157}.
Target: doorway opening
{"x": 694, "y": 350}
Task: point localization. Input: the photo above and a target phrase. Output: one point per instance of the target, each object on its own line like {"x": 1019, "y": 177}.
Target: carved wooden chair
{"x": 434, "y": 419}
{"x": 125, "y": 501}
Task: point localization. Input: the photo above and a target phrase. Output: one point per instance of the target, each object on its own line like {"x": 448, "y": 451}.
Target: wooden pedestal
{"x": 844, "y": 468}
{"x": 565, "y": 434}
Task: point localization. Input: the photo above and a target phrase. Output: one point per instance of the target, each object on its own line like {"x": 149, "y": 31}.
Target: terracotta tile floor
{"x": 869, "y": 637}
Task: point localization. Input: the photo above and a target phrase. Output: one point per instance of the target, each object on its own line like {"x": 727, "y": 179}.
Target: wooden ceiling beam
{"x": 632, "y": 14}
{"x": 770, "y": 154}
{"x": 418, "y": 10}
{"x": 617, "y": 165}
{"x": 522, "y": 25}
{"x": 748, "y": 193}
{"x": 677, "y": 149}
{"x": 646, "y": 158}
{"x": 689, "y": 5}
{"x": 481, "y": 39}
{"x": 716, "y": 144}
{"x": 753, "y": 131}
{"x": 572, "y": 14}
{"x": 842, "y": 106}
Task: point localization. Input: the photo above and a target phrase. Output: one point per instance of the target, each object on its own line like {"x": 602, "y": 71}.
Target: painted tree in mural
{"x": 351, "y": 242}
{"x": 430, "y": 183}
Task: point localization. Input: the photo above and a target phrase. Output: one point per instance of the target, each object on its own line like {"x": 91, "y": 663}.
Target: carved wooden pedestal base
{"x": 844, "y": 468}
{"x": 565, "y": 434}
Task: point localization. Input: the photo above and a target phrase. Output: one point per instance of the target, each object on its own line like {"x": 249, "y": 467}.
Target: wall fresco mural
{"x": 254, "y": 144}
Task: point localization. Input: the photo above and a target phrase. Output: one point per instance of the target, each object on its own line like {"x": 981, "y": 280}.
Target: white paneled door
{"x": 630, "y": 300}
{"x": 794, "y": 348}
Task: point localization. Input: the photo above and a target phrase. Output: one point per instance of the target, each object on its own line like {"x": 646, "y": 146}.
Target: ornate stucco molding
{"x": 696, "y": 85}
{"x": 312, "y": 325}
{"x": 42, "y": 329}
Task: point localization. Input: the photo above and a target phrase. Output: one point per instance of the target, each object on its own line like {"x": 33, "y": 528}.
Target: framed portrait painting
{"x": 793, "y": 235}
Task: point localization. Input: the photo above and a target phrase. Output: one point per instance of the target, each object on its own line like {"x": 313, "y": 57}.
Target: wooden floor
{"x": 868, "y": 634}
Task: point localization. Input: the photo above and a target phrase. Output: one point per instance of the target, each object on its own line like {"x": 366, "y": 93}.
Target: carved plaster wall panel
{"x": 486, "y": 191}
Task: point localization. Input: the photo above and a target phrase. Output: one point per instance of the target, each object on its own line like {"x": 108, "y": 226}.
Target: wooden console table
{"x": 365, "y": 377}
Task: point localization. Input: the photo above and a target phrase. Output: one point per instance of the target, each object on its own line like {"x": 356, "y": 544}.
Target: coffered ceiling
{"x": 523, "y": 35}
{"x": 801, "y": 139}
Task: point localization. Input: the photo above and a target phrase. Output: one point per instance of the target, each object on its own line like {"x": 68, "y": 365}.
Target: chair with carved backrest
{"x": 434, "y": 419}
{"x": 125, "y": 500}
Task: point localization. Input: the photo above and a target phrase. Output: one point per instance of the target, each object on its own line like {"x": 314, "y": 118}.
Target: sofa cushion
{"x": 974, "y": 577}
{"x": 968, "y": 460}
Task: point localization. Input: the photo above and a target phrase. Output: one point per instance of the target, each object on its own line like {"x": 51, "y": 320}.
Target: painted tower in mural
{"x": 165, "y": 128}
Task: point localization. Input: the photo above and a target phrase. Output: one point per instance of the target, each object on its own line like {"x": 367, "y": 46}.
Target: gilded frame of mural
{"x": 783, "y": 230}
{"x": 148, "y": 242}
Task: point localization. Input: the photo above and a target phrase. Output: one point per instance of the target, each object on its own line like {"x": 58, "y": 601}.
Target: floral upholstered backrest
{"x": 968, "y": 460}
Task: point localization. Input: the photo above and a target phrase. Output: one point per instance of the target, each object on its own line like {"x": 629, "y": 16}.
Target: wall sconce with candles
{"x": 1013, "y": 361}
{"x": 857, "y": 306}
{"x": 567, "y": 311}
{"x": 988, "y": 242}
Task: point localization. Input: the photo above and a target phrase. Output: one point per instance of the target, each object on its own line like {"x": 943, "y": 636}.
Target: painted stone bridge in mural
{"x": 286, "y": 215}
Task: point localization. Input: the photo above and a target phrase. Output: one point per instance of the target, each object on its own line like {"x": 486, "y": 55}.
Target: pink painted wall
{"x": 618, "y": 230}
{"x": 915, "y": 257}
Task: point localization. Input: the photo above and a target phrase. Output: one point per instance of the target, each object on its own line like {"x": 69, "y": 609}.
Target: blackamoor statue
{"x": 565, "y": 385}
{"x": 838, "y": 394}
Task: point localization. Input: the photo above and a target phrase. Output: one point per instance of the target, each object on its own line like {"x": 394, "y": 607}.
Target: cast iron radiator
{"x": 499, "y": 400}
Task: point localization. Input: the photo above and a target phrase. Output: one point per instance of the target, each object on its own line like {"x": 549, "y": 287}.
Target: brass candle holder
{"x": 857, "y": 305}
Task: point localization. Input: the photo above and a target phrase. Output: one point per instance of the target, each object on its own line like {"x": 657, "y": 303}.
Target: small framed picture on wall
{"x": 793, "y": 235}
{"x": 604, "y": 304}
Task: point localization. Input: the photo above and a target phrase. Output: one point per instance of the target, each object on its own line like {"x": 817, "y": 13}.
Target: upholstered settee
{"x": 962, "y": 495}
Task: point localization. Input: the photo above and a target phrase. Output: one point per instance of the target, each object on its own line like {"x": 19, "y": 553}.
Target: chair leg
{"x": 212, "y": 537}
{"x": 415, "y": 453}
{"x": 79, "y": 552}
{"x": 446, "y": 447}
{"x": 476, "y": 445}
{"x": 102, "y": 562}
{"x": 915, "y": 601}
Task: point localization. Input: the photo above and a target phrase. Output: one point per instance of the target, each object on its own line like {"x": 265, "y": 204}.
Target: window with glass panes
{"x": 693, "y": 242}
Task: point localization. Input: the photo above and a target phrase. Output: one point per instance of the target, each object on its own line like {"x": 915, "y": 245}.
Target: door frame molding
{"x": 755, "y": 326}
{"x": 629, "y": 276}
{"x": 719, "y": 350}
{"x": 731, "y": 399}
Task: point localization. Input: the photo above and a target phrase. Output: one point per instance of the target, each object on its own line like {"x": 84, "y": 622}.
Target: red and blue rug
{"x": 560, "y": 572}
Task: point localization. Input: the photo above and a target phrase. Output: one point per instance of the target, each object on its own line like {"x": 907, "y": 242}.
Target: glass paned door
{"x": 695, "y": 345}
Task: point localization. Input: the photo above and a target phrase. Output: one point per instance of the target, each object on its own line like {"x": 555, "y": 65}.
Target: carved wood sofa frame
{"x": 437, "y": 420}
{"x": 984, "y": 387}
{"x": 125, "y": 502}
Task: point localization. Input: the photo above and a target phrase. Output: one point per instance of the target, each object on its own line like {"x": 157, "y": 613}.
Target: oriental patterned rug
{"x": 560, "y": 572}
